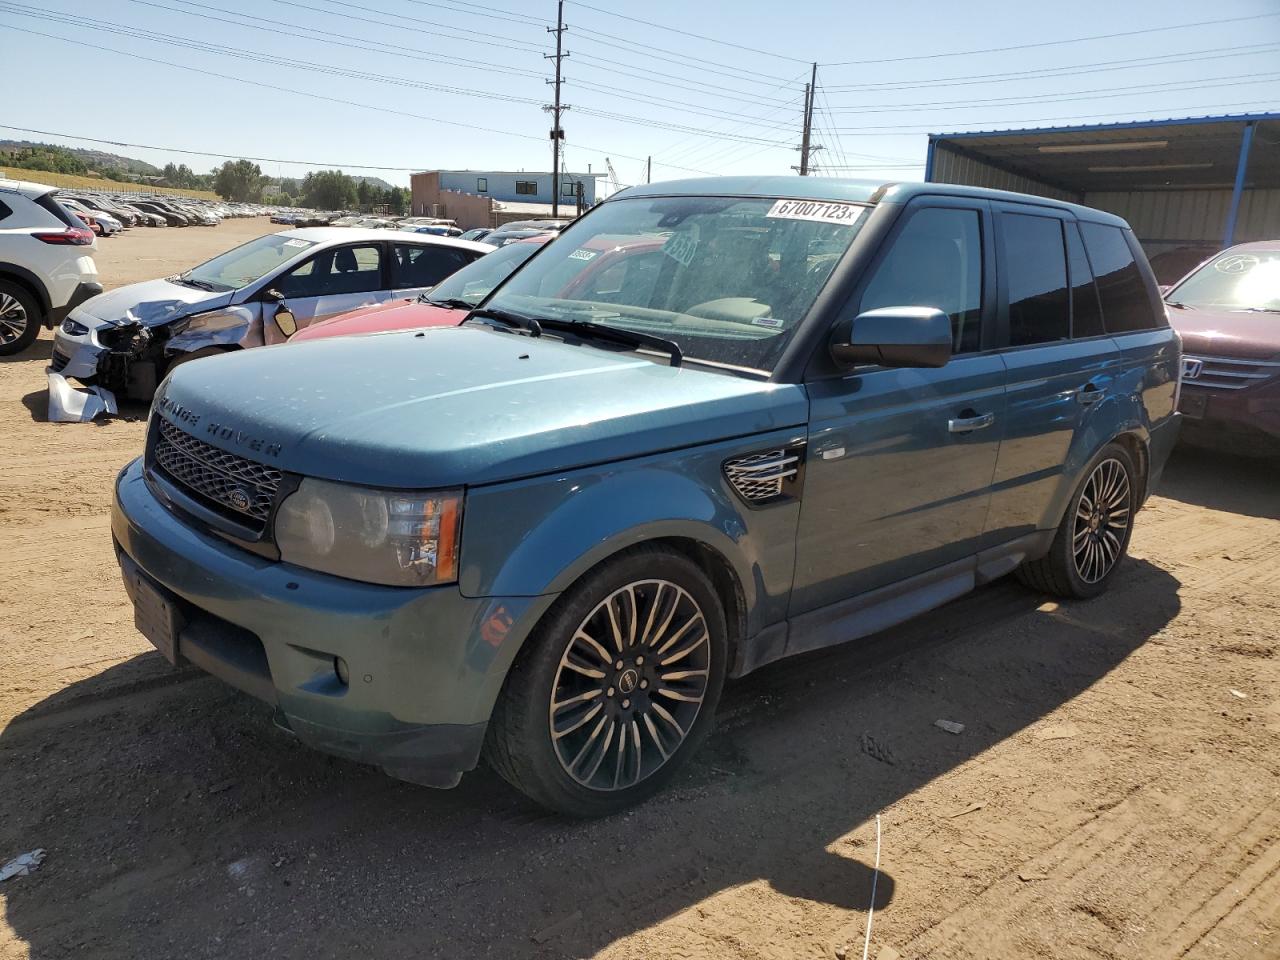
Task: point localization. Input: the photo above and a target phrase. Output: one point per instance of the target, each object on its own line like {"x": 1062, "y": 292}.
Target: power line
{"x": 1098, "y": 93}
{"x": 371, "y": 46}
{"x": 317, "y": 96}
{"x": 486, "y": 38}
{"x": 1003, "y": 125}
{"x": 701, "y": 63}
{"x": 260, "y": 57}
{"x": 1054, "y": 43}
{"x": 1103, "y": 66}
{"x": 686, "y": 33}
{"x": 326, "y": 164}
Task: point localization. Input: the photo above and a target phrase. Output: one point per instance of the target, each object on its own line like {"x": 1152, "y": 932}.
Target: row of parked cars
{"x": 494, "y": 236}
{"x": 108, "y": 214}
{"x": 542, "y": 510}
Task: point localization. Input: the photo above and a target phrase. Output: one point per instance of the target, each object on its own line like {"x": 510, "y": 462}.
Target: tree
{"x": 366, "y": 194}
{"x": 397, "y": 199}
{"x": 181, "y": 176}
{"x": 239, "y": 180}
{"x": 328, "y": 190}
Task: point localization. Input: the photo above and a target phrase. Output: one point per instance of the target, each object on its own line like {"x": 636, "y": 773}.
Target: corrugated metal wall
{"x": 951, "y": 167}
{"x": 1169, "y": 217}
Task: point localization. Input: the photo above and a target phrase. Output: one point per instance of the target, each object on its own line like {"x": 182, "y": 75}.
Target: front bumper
{"x": 1244, "y": 422}
{"x": 425, "y": 666}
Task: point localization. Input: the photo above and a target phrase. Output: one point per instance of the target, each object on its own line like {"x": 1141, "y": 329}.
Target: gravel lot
{"x": 1115, "y": 792}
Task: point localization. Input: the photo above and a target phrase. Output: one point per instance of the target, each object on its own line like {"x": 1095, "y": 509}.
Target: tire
{"x": 182, "y": 358}
{"x": 658, "y": 599}
{"x": 20, "y": 319}
{"x": 1094, "y": 534}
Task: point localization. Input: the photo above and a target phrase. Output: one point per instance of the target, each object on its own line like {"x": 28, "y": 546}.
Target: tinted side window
{"x": 1035, "y": 261}
{"x": 1125, "y": 304}
{"x": 1086, "y": 315}
{"x": 4, "y": 211}
{"x": 336, "y": 272}
{"x": 425, "y": 266}
{"x": 936, "y": 261}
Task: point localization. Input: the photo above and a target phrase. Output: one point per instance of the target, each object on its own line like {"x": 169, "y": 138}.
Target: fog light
{"x": 340, "y": 668}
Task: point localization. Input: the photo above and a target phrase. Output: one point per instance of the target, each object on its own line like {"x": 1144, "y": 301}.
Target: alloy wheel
{"x": 630, "y": 685}
{"x": 13, "y": 319}
{"x": 1101, "y": 521}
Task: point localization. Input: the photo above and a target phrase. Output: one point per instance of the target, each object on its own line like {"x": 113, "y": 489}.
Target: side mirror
{"x": 285, "y": 321}
{"x": 893, "y": 337}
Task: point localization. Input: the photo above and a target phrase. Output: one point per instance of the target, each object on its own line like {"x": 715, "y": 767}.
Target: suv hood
{"x": 152, "y": 303}
{"x": 456, "y": 406}
{"x": 1243, "y": 334}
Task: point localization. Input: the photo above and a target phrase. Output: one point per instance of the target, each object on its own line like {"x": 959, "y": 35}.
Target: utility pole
{"x": 648, "y": 170}
{"x": 557, "y": 134}
{"x": 810, "y": 94}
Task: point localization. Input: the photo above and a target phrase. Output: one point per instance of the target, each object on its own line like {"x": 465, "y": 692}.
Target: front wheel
{"x": 1094, "y": 534}
{"x": 615, "y": 689}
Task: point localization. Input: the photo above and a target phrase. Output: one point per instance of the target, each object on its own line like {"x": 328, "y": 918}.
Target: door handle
{"x": 970, "y": 424}
{"x": 1089, "y": 393}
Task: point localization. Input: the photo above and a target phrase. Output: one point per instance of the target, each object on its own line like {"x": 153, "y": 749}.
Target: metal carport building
{"x": 1193, "y": 181}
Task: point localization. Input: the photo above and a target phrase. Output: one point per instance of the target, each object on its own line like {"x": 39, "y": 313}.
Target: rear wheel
{"x": 20, "y": 319}
{"x": 615, "y": 689}
{"x": 1094, "y": 534}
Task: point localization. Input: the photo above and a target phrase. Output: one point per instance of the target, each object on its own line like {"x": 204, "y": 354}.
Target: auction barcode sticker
{"x": 821, "y": 210}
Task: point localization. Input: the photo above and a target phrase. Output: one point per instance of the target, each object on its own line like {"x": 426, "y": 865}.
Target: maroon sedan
{"x": 1228, "y": 314}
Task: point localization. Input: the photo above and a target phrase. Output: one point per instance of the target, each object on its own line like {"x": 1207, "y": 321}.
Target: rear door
{"x": 898, "y": 470}
{"x": 1059, "y": 359}
{"x": 417, "y": 267}
{"x": 333, "y": 281}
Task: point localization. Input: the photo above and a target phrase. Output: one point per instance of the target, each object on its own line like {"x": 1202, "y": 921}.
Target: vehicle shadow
{"x": 38, "y": 350}
{"x": 178, "y": 822}
{"x": 1221, "y": 481}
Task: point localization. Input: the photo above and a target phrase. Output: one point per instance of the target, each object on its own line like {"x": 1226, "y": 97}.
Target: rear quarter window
{"x": 1126, "y": 301}
{"x": 5, "y": 212}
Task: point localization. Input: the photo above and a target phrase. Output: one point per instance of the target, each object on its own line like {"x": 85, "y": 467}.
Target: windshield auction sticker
{"x": 819, "y": 210}
{"x": 682, "y": 245}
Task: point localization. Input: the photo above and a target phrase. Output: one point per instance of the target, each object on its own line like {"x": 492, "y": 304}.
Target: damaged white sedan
{"x": 121, "y": 343}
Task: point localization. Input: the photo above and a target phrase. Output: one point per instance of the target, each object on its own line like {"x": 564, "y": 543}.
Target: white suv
{"x": 46, "y": 263}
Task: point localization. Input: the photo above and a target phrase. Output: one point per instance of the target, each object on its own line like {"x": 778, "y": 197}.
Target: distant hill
{"x": 95, "y": 159}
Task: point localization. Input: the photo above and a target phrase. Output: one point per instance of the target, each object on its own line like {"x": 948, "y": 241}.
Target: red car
{"x": 1228, "y": 315}
{"x": 591, "y": 272}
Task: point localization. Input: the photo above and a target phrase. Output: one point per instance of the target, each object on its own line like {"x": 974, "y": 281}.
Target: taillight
{"x": 72, "y": 236}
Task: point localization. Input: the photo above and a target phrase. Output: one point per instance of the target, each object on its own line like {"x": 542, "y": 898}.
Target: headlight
{"x": 391, "y": 537}
{"x": 73, "y": 329}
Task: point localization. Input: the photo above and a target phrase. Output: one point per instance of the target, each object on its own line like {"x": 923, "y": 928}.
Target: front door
{"x": 899, "y": 465}
{"x": 336, "y": 280}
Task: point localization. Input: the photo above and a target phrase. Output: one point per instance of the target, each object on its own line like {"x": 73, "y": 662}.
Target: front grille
{"x": 1226, "y": 373}
{"x": 59, "y": 361}
{"x": 236, "y": 487}
{"x": 759, "y": 478}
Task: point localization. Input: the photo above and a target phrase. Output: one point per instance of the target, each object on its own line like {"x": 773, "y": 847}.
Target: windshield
{"x": 1233, "y": 281}
{"x": 728, "y": 279}
{"x": 473, "y": 282}
{"x": 248, "y": 262}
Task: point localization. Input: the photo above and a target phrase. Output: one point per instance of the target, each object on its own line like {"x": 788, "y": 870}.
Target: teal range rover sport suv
{"x": 792, "y": 413}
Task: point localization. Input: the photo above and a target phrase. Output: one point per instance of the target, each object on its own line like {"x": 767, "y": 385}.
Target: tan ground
{"x": 1115, "y": 792}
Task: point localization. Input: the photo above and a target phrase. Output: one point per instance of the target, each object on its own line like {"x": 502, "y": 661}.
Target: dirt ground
{"x": 1115, "y": 792}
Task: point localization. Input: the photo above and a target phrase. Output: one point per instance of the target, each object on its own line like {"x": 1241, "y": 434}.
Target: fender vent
{"x": 763, "y": 477}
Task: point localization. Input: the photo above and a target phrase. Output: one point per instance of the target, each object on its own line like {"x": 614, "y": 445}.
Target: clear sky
{"x": 394, "y": 83}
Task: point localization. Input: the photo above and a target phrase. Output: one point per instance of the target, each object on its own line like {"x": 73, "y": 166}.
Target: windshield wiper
{"x": 507, "y": 318}
{"x": 453, "y": 303}
{"x": 1177, "y": 304}
{"x": 630, "y": 338}
{"x": 198, "y": 284}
